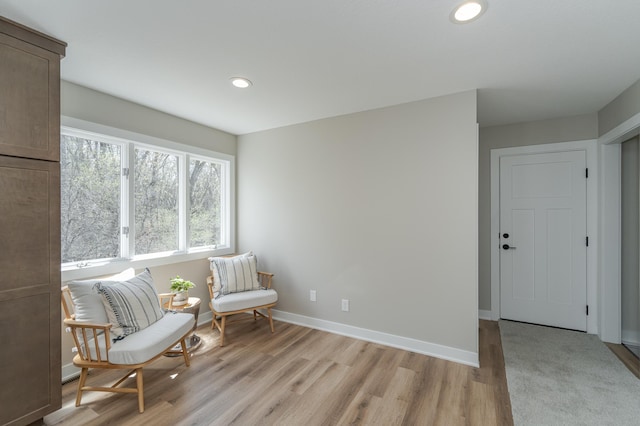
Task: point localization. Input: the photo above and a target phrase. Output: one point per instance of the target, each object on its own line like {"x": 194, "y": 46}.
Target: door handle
{"x": 508, "y": 247}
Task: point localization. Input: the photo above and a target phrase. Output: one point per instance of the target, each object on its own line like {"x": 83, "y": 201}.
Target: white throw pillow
{"x": 235, "y": 274}
{"x": 88, "y": 302}
{"x": 131, "y": 305}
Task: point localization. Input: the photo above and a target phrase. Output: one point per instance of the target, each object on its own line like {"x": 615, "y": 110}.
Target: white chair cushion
{"x": 244, "y": 300}
{"x": 145, "y": 344}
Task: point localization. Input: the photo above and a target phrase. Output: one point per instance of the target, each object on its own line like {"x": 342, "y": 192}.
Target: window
{"x": 156, "y": 196}
{"x": 90, "y": 198}
{"x": 205, "y": 195}
{"x": 126, "y": 200}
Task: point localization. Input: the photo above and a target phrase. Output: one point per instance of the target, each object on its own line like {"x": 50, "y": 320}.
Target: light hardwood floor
{"x": 301, "y": 376}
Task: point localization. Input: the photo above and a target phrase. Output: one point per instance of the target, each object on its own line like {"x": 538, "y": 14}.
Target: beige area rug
{"x": 561, "y": 377}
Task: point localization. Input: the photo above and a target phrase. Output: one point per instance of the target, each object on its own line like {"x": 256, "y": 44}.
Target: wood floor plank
{"x": 425, "y": 390}
{"x": 300, "y": 376}
{"x": 263, "y": 398}
{"x": 311, "y": 408}
{"x": 351, "y": 353}
{"x": 452, "y": 399}
{"x": 362, "y": 410}
{"x": 480, "y": 408}
{"x": 308, "y": 376}
{"x": 336, "y": 403}
{"x": 378, "y": 380}
{"x": 395, "y": 401}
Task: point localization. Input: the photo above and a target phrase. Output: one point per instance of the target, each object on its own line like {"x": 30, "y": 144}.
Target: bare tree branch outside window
{"x": 156, "y": 201}
{"x": 92, "y": 195}
{"x": 90, "y": 199}
{"x": 205, "y": 201}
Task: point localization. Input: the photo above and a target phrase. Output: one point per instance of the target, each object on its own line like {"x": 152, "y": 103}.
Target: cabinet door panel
{"x": 24, "y": 363}
{"x": 29, "y": 111}
{"x": 24, "y": 225}
{"x": 29, "y": 288}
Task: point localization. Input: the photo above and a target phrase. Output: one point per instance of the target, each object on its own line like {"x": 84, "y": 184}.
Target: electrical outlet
{"x": 345, "y": 305}
{"x": 312, "y": 295}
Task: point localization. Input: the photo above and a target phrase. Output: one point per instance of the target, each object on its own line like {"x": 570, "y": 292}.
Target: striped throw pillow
{"x": 235, "y": 274}
{"x": 131, "y": 305}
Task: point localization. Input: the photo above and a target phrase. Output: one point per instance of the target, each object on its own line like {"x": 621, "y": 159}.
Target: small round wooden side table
{"x": 191, "y": 307}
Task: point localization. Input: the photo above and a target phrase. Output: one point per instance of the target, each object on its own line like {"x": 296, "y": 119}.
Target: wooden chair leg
{"x": 215, "y": 322}
{"x": 81, "y": 382}
{"x": 255, "y": 315}
{"x": 185, "y": 354}
{"x": 140, "y": 387}
{"x": 223, "y": 320}
{"x": 270, "y": 320}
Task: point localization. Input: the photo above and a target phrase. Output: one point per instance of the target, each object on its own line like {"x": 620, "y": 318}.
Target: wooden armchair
{"x": 246, "y": 301}
{"x": 95, "y": 348}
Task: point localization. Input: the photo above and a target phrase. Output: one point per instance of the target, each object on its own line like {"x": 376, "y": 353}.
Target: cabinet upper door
{"x": 29, "y": 100}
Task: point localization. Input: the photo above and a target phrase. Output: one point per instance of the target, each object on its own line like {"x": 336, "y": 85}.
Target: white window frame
{"x": 129, "y": 141}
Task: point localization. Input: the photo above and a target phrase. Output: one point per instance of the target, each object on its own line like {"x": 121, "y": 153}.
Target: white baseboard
{"x": 405, "y": 343}
{"x": 484, "y": 315}
{"x": 71, "y": 372}
{"x": 205, "y": 318}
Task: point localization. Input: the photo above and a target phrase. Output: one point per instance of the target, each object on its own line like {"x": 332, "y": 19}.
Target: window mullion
{"x": 184, "y": 203}
{"x": 228, "y": 210}
{"x": 124, "y": 202}
{"x": 129, "y": 198}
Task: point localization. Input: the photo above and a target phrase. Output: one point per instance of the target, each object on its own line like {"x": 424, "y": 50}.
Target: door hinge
{"x": 125, "y": 230}
{"x": 586, "y": 173}
{"x": 587, "y": 310}
{"x": 587, "y": 240}
{"x": 125, "y": 172}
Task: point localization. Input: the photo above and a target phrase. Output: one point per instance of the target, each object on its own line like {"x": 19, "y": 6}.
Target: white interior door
{"x": 543, "y": 230}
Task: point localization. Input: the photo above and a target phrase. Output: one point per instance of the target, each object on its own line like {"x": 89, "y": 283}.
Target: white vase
{"x": 181, "y": 298}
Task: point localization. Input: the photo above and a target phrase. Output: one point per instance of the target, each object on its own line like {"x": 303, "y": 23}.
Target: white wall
{"x": 623, "y": 107}
{"x": 378, "y": 207}
{"x": 97, "y": 107}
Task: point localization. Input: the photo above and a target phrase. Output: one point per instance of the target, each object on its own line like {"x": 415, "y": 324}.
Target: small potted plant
{"x": 181, "y": 287}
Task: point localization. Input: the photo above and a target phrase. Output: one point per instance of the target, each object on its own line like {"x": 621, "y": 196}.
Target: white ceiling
{"x": 530, "y": 60}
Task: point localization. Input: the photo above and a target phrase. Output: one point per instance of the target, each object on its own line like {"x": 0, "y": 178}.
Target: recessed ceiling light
{"x": 468, "y": 11}
{"x": 241, "y": 82}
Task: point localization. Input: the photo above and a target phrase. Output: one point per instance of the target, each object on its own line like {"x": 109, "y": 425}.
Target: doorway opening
{"x": 630, "y": 245}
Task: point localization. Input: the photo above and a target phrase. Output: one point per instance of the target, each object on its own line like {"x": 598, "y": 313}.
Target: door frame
{"x": 590, "y": 147}
{"x": 610, "y": 209}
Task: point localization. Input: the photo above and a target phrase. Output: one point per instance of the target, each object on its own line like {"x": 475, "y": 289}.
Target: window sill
{"x": 70, "y": 273}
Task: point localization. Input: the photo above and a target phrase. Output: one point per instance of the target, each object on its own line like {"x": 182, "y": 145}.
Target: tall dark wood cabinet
{"x": 30, "y": 354}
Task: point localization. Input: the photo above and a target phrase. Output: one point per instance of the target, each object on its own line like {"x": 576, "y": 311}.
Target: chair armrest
{"x": 265, "y": 279}
{"x": 213, "y": 287}
{"x": 164, "y": 296}
{"x": 83, "y": 332}
{"x": 83, "y": 324}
